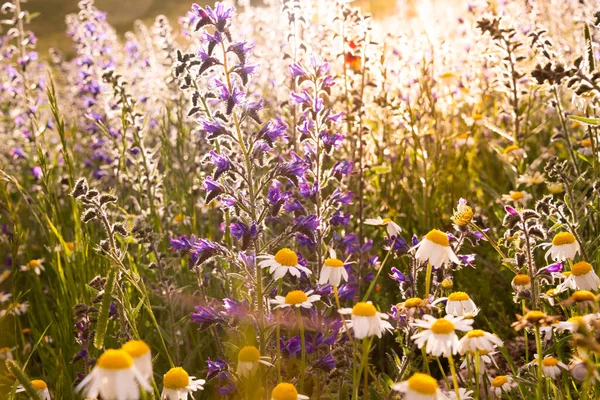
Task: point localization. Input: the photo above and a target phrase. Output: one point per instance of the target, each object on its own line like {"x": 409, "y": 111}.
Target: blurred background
{"x": 50, "y": 26}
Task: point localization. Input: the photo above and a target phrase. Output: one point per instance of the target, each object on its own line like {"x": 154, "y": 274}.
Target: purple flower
{"x": 212, "y": 188}
{"x": 347, "y": 292}
{"x": 181, "y": 243}
{"x": 468, "y": 259}
{"x": 398, "y": 276}
{"x": 37, "y": 172}
{"x": 555, "y": 267}
{"x": 342, "y": 168}
{"x": 339, "y": 219}
{"x": 221, "y": 162}
{"x": 206, "y": 317}
{"x": 296, "y": 70}
{"x": 203, "y": 249}
{"x": 327, "y": 363}
{"x": 215, "y": 367}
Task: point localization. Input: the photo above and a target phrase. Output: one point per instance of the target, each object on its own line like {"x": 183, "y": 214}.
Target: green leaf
{"x": 589, "y": 121}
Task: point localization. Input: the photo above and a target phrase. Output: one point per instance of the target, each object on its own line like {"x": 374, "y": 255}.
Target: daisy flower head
{"x": 550, "y": 296}
{"x": 551, "y": 367}
{"x": 393, "y": 229}
{"x": 533, "y": 318}
{"x": 4, "y": 297}
{"x": 296, "y": 298}
{"x": 502, "y": 384}
{"x": 517, "y": 198}
{"x": 564, "y": 246}
{"x": 584, "y": 276}
{"x": 514, "y": 152}
{"x": 366, "y": 321}
{"x": 572, "y": 324}
{"x": 412, "y": 306}
{"x": 333, "y": 271}
{"x": 283, "y": 262}
{"x": 583, "y": 298}
{"x": 142, "y": 357}
{"x": 4, "y": 275}
{"x": 36, "y": 266}
{"x": 463, "y": 213}
{"x": 464, "y": 139}
{"x": 463, "y": 394}
{"x": 478, "y": 340}
{"x": 40, "y": 386}
{"x": 521, "y": 283}
{"x": 419, "y": 387}
{"x": 114, "y": 377}
{"x": 435, "y": 249}
{"x": 439, "y": 335}
{"x": 286, "y": 391}
{"x": 248, "y": 359}
{"x": 15, "y": 309}
{"x": 177, "y": 384}
{"x": 585, "y": 147}
{"x": 459, "y": 304}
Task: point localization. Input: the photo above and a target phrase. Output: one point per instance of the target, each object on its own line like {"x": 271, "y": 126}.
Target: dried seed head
{"x": 89, "y": 215}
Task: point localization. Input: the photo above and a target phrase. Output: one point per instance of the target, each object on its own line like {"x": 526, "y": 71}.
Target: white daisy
{"x": 572, "y": 324}
{"x": 485, "y": 358}
{"x": 584, "y": 277}
{"x": 435, "y": 249}
{"x": 440, "y": 334}
{"x": 551, "y": 367}
{"x": 296, "y": 298}
{"x": 366, "y": 320}
{"x": 463, "y": 394}
{"x": 459, "y": 304}
{"x": 15, "y": 309}
{"x": 36, "y": 266}
{"x": 38, "y": 385}
{"x": 248, "y": 360}
{"x": 393, "y": 229}
{"x": 286, "y": 391}
{"x": 586, "y": 147}
{"x": 550, "y": 296}
{"x": 517, "y": 198}
{"x": 419, "y": 387}
{"x": 284, "y": 261}
{"x": 333, "y": 271}
{"x": 142, "y": 357}
{"x": 177, "y": 384}
{"x": 464, "y": 139}
{"x": 502, "y": 384}
{"x": 478, "y": 340}
{"x": 6, "y": 353}
{"x": 514, "y": 152}
{"x": 564, "y": 246}
{"x": 4, "y": 297}
{"x": 521, "y": 282}
{"x": 114, "y": 377}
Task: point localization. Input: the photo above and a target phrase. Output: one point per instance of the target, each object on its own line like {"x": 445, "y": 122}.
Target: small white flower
{"x": 564, "y": 246}
{"x": 440, "y": 334}
{"x": 4, "y": 297}
{"x": 463, "y": 394}
{"x": 283, "y": 262}
{"x": 36, "y": 266}
{"x": 478, "y": 340}
{"x": 38, "y": 385}
{"x": 459, "y": 304}
{"x": 142, "y": 357}
{"x": 518, "y": 198}
{"x": 333, "y": 271}
{"x": 502, "y": 384}
{"x": 296, "y": 298}
{"x": 15, "y": 309}
{"x": 366, "y": 320}
{"x": 419, "y": 387}
{"x": 114, "y": 377}
{"x": 393, "y": 229}
{"x": 573, "y": 324}
{"x": 286, "y": 391}
{"x": 177, "y": 384}
{"x": 248, "y": 360}
{"x": 464, "y": 139}
{"x": 551, "y": 367}
{"x": 435, "y": 249}
{"x": 582, "y": 277}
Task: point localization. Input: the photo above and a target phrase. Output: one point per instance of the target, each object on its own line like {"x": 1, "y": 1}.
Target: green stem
{"x": 454, "y": 377}
{"x": 540, "y": 357}
{"x": 374, "y": 281}
{"x": 102, "y": 324}
{"x": 427, "y": 281}
{"x": 477, "y": 372}
{"x": 18, "y": 373}
{"x": 303, "y": 344}
{"x": 278, "y": 335}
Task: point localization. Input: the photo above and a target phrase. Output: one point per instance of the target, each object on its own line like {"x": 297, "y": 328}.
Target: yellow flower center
{"x": 517, "y": 195}
{"x": 511, "y": 148}
{"x": 4, "y": 349}
{"x": 586, "y": 143}
{"x": 463, "y": 136}
{"x": 521, "y": 280}
{"x": 33, "y": 264}
{"x": 413, "y": 302}
{"x": 286, "y": 257}
{"x": 499, "y": 381}
{"x": 535, "y": 316}
{"x": 423, "y": 384}
{"x": 563, "y": 238}
{"x": 583, "y": 295}
{"x": 386, "y": 221}
{"x": 581, "y": 268}
{"x": 442, "y": 327}
{"x": 136, "y": 348}
{"x": 334, "y": 262}
{"x": 362, "y": 309}
{"x": 567, "y": 273}
{"x": 249, "y": 354}
{"x": 462, "y": 218}
{"x": 549, "y": 362}
{"x": 178, "y": 218}
{"x": 576, "y": 320}
{"x": 551, "y": 292}
{"x": 284, "y": 391}
{"x": 39, "y": 384}
{"x": 447, "y": 75}
{"x": 475, "y": 333}
{"x": 477, "y": 117}
{"x": 458, "y": 296}
{"x": 438, "y": 237}
{"x": 115, "y": 359}
{"x": 176, "y": 378}
{"x": 296, "y": 297}
{"x": 70, "y": 245}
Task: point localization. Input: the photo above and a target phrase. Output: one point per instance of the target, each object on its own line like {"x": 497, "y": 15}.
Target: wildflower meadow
{"x": 302, "y": 199}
